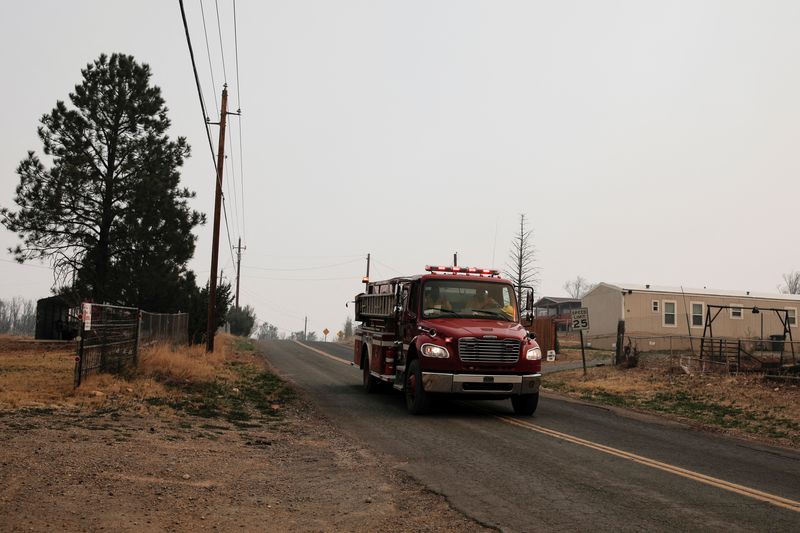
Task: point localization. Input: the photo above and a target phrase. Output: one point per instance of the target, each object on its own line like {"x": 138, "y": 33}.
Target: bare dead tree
{"x": 521, "y": 267}
{"x": 578, "y": 287}
{"x": 791, "y": 283}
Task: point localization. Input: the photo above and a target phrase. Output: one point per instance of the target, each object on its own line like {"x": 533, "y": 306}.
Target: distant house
{"x": 558, "y": 308}
{"x": 661, "y": 312}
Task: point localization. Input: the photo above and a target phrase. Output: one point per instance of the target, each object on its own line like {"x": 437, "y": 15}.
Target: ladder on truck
{"x": 375, "y": 309}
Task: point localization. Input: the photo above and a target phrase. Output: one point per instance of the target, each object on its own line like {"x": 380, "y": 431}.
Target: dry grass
{"x": 45, "y": 379}
{"x": 744, "y": 404}
{"x": 183, "y": 364}
{"x": 35, "y": 379}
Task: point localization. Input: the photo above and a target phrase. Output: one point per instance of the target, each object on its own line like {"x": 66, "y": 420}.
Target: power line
{"x": 25, "y": 264}
{"x": 387, "y": 266}
{"x": 203, "y": 109}
{"x": 236, "y": 49}
{"x": 352, "y": 278}
{"x": 318, "y": 267}
{"x": 214, "y": 84}
{"x": 208, "y": 52}
{"x": 197, "y": 82}
{"x": 221, "y": 50}
{"x": 239, "y": 110}
{"x": 233, "y": 180}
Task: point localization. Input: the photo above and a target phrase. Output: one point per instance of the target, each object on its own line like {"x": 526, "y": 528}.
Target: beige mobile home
{"x": 663, "y": 312}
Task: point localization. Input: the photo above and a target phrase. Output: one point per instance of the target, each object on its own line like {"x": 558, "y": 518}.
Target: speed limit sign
{"x": 580, "y": 318}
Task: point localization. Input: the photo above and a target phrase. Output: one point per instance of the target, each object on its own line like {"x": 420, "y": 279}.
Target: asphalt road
{"x": 571, "y": 466}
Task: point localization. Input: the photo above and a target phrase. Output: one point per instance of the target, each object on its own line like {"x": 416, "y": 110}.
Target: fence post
{"x": 136, "y": 339}
{"x": 620, "y": 341}
{"x": 738, "y": 355}
{"x": 79, "y": 362}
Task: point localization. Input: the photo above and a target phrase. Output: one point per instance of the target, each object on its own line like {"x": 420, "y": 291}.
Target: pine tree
{"x": 241, "y": 320}
{"x": 108, "y": 209}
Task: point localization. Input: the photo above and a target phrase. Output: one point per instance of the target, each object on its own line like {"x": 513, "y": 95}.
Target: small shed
{"x": 54, "y": 321}
{"x": 557, "y": 308}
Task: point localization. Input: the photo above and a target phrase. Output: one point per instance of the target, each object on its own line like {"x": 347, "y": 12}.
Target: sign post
{"x": 325, "y": 333}
{"x": 580, "y": 321}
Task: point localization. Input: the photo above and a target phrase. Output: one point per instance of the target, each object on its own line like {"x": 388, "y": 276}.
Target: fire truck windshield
{"x": 468, "y": 298}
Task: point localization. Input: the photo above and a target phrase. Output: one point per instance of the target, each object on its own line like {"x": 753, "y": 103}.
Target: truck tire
{"x": 525, "y": 404}
{"x": 370, "y": 383}
{"x": 418, "y": 401}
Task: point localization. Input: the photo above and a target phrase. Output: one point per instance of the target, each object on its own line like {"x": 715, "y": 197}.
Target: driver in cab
{"x": 435, "y": 300}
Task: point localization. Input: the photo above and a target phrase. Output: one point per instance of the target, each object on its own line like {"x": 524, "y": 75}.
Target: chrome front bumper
{"x": 499, "y": 384}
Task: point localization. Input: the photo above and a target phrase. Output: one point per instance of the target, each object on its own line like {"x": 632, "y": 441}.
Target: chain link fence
{"x": 162, "y": 327}
{"x": 712, "y": 354}
{"x": 110, "y": 337}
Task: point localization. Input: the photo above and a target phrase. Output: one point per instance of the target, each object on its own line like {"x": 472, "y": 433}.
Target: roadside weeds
{"x": 743, "y": 405}
{"x": 193, "y": 442}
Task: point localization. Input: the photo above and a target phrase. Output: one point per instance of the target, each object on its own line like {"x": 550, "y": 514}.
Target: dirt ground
{"x": 746, "y": 405}
{"x": 171, "y": 452}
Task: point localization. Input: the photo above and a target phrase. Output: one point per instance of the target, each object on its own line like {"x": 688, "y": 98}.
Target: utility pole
{"x": 305, "y": 329}
{"x": 238, "y": 268}
{"x": 212, "y": 279}
{"x": 366, "y": 278}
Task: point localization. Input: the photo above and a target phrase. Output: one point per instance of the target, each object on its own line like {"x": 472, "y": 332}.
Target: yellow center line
{"x": 329, "y": 356}
{"x": 755, "y": 494}
{"x": 779, "y": 501}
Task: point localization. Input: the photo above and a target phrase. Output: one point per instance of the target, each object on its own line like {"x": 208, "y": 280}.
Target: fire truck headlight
{"x": 432, "y": 350}
{"x": 534, "y": 354}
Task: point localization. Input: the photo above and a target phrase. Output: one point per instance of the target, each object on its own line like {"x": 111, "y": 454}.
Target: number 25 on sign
{"x": 580, "y": 318}
{"x": 580, "y": 321}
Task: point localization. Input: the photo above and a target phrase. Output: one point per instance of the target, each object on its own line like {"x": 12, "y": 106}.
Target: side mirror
{"x": 529, "y": 302}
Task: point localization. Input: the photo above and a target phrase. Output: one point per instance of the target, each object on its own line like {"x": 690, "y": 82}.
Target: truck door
{"x": 408, "y": 324}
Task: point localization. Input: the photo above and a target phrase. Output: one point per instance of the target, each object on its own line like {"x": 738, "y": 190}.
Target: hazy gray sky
{"x": 649, "y": 142}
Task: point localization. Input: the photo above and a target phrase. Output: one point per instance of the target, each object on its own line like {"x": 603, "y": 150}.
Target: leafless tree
{"x": 791, "y": 283}
{"x": 521, "y": 267}
{"x": 17, "y": 316}
{"x": 578, "y": 287}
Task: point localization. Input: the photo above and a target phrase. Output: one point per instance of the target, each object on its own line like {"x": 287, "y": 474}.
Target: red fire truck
{"x": 454, "y": 330}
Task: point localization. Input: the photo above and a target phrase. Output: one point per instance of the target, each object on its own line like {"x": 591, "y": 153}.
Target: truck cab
{"x": 452, "y": 331}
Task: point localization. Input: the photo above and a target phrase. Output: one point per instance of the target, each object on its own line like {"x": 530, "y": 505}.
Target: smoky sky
{"x": 647, "y": 142}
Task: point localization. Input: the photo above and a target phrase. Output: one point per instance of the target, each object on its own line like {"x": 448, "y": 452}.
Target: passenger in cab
{"x": 481, "y": 300}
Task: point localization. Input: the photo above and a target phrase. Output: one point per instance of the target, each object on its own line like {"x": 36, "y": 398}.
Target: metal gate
{"x": 109, "y": 339}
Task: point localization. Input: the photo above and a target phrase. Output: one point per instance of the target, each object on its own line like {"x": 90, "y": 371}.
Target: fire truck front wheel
{"x": 370, "y": 382}
{"x": 525, "y": 404}
{"x": 417, "y": 400}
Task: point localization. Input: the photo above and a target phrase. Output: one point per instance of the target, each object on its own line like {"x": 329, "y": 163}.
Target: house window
{"x": 655, "y": 306}
{"x": 669, "y": 314}
{"x": 697, "y": 314}
{"x": 736, "y": 312}
{"x": 792, "y": 316}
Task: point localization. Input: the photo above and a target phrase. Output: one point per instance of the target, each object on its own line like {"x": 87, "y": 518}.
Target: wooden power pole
{"x": 239, "y": 249}
{"x": 212, "y": 278}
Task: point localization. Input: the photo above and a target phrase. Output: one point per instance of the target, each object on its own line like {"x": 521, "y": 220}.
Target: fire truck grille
{"x": 473, "y": 350}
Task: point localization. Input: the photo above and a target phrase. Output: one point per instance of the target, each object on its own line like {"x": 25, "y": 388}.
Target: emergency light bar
{"x": 463, "y": 270}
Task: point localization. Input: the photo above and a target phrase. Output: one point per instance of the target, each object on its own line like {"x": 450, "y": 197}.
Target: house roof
{"x": 624, "y": 287}
{"x": 555, "y": 300}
